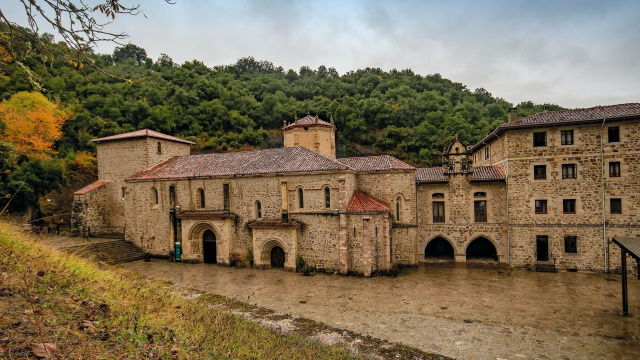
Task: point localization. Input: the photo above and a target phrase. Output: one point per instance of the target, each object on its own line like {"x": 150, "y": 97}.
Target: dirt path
{"x": 457, "y": 312}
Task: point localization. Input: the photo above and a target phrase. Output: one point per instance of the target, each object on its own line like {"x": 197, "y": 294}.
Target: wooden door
{"x": 542, "y": 247}
{"x": 277, "y": 257}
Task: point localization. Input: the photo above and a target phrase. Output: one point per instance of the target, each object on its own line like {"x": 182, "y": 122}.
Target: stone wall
{"x": 318, "y": 138}
{"x": 91, "y": 213}
{"x": 585, "y": 189}
{"x": 460, "y": 227}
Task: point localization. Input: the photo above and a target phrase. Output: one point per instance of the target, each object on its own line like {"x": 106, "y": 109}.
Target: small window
{"x": 480, "y": 194}
{"x": 569, "y": 206}
{"x": 568, "y": 171}
{"x": 172, "y": 196}
{"x": 225, "y": 197}
{"x": 539, "y": 172}
{"x": 398, "y": 209}
{"x": 438, "y": 211}
{"x": 616, "y": 206}
{"x": 566, "y": 137}
{"x": 438, "y": 196}
{"x": 159, "y": 148}
{"x": 201, "y": 193}
{"x": 154, "y": 195}
{"x": 258, "y": 210}
{"x": 614, "y": 133}
{"x": 487, "y": 153}
{"x": 540, "y": 138}
{"x": 301, "y": 198}
{"x": 480, "y": 210}
{"x": 327, "y": 197}
{"x": 614, "y": 169}
{"x": 541, "y": 206}
{"x": 124, "y": 192}
{"x": 571, "y": 244}
{"x": 354, "y": 231}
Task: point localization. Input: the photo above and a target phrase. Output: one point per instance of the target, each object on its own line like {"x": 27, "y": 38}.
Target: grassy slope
{"x": 93, "y": 313}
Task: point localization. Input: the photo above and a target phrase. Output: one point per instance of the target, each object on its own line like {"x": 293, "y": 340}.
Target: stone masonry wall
{"x": 318, "y": 138}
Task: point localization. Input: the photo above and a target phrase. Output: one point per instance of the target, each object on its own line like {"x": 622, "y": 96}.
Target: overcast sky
{"x": 572, "y": 53}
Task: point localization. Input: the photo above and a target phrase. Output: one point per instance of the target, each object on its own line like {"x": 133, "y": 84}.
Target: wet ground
{"x": 479, "y": 313}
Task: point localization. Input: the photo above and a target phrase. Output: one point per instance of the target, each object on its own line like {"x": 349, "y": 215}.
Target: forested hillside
{"x": 244, "y": 105}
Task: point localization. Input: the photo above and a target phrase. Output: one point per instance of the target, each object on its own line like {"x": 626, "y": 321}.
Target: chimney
{"x": 513, "y": 115}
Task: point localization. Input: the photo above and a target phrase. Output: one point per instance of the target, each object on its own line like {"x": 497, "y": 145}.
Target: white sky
{"x": 572, "y": 53}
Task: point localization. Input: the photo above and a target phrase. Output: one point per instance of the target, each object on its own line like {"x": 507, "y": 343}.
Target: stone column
{"x": 386, "y": 237}
{"x": 344, "y": 243}
{"x": 366, "y": 248}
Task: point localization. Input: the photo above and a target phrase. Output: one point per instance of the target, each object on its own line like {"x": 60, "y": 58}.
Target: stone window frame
{"x": 399, "y": 205}
{"x": 159, "y": 150}
{"x": 155, "y": 198}
{"x": 615, "y": 168}
{"x": 535, "y": 174}
{"x": 201, "y": 198}
{"x": 257, "y": 206}
{"x": 326, "y": 192}
{"x": 480, "y": 217}
{"x": 566, "y": 174}
{"x": 576, "y": 244}
{"x": 300, "y": 196}
{"x": 541, "y": 206}
{"x": 539, "y": 142}
{"x": 440, "y": 219}
{"x": 566, "y": 205}
{"x": 618, "y": 136}
{"x": 567, "y": 137}
{"x": 620, "y": 209}
{"x": 226, "y": 197}
{"x": 487, "y": 153}
{"x": 124, "y": 192}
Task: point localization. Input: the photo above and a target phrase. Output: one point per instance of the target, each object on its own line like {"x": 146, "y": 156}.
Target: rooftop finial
{"x": 284, "y": 123}
{"x": 316, "y": 119}
{"x": 331, "y": 119}
{"x": 295, "y": 117}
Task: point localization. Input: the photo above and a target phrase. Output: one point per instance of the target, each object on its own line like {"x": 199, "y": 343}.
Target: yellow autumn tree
{"x": 32, "y": 123}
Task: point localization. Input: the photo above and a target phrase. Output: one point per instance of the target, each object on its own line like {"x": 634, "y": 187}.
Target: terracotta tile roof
{"x": 430, "y": 175}
{"x": 376, "y": 163}
{"x": 363, "y": 203}
{"x": 94, "y": 185}
{"x": 547, "y": 118}
{"x": 143, "y": 133}
{"x": 267, "y": 161}
{"x": 488, "y": 173}
{"x": 272, "y": 223}
{"x": 594, "y": 113}
{"x": 480, "y": 173}
{"x": 205, "y": 214}
{"x": 309, "y": 120}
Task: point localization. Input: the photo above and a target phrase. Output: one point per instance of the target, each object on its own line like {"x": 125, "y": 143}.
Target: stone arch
{"x": 197, "y": 241}
{"x": 481, "y": 247}
{"x": 326, "y": 196}
{"x": 268, "y": 246}
{"x": 196, "y": 231}
{"x": 439, "y": 247}
{"x": 300, "y": 197}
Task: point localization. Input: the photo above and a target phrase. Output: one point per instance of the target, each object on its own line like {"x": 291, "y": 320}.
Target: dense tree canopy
{"x": 243, "y": 105}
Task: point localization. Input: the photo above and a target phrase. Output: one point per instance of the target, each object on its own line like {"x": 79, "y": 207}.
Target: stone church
{"x": 550, "y": 189}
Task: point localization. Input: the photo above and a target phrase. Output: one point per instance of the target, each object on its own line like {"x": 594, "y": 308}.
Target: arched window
{"x": 201, "y": 193}
{"x": 159, "y": 147}
{"x": 398, "y": 208}
{"x": 301, "y": 198}
{"x": 154, "y": 196}
{"x": 327, "y": 197}
{"x": 258, "y": 210}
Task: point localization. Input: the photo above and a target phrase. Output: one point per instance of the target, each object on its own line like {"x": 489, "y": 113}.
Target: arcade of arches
{"x": 479, "y": 248}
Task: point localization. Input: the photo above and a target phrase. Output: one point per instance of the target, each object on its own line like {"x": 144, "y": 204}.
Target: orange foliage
{"x": 33, "y": 123}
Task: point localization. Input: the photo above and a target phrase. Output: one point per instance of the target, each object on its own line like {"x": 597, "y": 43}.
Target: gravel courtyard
{"x": 478, "y": 313}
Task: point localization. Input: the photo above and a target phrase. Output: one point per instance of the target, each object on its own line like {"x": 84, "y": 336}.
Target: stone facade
{"x": 510, "y": 198}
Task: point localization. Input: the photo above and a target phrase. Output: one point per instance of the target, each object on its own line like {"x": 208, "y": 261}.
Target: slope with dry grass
{"x": 55, "y": 305}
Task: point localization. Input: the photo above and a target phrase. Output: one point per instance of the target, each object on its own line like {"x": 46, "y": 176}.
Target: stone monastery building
{"x": 550, "y": 189}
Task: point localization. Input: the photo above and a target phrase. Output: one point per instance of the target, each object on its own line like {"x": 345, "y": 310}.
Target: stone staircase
{"x": 543, "y": 267}
{"x": 110, "y": 251}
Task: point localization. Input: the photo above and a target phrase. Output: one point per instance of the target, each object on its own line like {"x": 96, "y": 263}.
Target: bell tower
{"x": 313, "y": 133}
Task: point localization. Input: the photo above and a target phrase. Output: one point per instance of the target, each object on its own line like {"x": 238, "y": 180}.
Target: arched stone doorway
{"x": 277, "y": 257}
{"x": 209, "y": 247}
{"x": 439, "y": 248}
{"x": 481, "y": 248}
